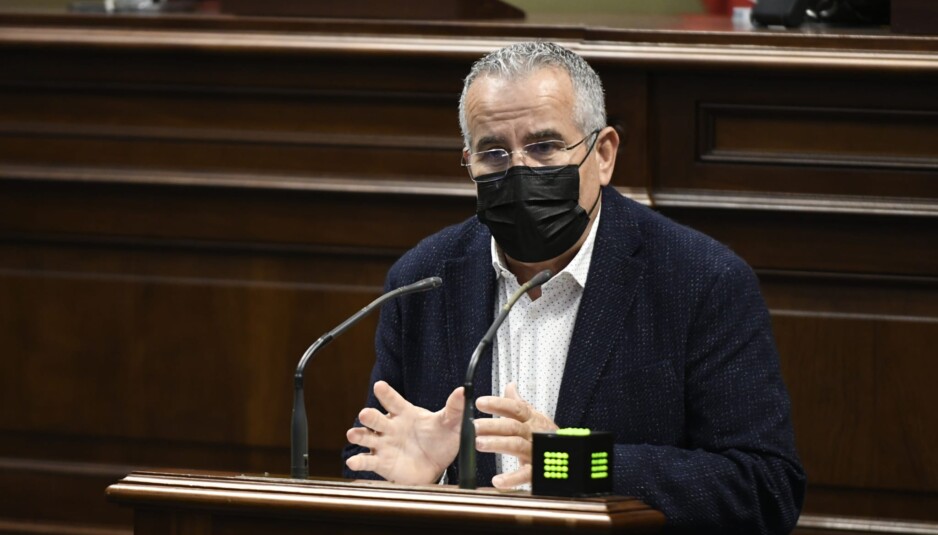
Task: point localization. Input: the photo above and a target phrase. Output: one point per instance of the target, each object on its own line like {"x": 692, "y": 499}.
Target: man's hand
{"x": 409, "y": 444}
{"x": 511, "y": 434}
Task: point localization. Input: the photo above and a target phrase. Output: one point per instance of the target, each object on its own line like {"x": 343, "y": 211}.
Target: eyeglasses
{"x": 545, "y": 157}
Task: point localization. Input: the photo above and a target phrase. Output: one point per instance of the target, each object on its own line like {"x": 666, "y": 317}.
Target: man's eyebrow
{"x": 543, "y": 135}
{"x": 489, "y": 141}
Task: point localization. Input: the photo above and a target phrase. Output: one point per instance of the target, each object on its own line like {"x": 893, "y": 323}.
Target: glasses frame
{"x": 546, "y": 169}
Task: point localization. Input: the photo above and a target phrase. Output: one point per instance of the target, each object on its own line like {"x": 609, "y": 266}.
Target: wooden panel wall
{"x": 175, "y": 231}
{"x": 184, "y": 208}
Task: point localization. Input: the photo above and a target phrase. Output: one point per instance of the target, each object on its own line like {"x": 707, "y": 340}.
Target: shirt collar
{"x": 578, "y": 268}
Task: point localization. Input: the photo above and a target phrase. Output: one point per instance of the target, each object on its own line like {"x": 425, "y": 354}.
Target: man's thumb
{"x": 455, "y": 403}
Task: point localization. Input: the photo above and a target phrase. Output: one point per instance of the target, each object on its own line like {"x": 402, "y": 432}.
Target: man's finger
{"x": 507, "y": 408}
{"x": 511, "y": 392}
{"x": 363, "y": 437}
{"x": 392, "y": 402}
{"x": 363, "y": 463}
{"x": 515, "y": 446}
{"x": 373, "y": 419}
{"x": 513, "y": 479}
{"x": 455, "y": 404}
{"x": 501, "y": 427}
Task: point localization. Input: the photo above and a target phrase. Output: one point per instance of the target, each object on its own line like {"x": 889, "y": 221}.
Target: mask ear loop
{"x": 600, "y": 195}
{"x": 595, "y": 203}
{"x": 593, "y": 144}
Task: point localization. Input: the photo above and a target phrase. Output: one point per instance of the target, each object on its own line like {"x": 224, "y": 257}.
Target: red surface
{"x": 723, "y": 7}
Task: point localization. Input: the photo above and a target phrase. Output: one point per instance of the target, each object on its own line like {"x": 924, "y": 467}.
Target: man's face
{"x": 508, "y": 115}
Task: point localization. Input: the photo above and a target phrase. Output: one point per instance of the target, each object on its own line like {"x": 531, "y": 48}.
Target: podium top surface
{"x": 391, "y": 504}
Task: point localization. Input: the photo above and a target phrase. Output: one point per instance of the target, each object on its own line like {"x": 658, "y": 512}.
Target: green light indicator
{"x": 599, "y": 465}
{"x": 573, "y": 432}
{"x": 556, "y": 464}
{"x": 555, "y": 475}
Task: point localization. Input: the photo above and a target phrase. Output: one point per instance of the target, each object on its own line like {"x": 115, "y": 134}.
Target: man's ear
{"x": 607, "y": 146}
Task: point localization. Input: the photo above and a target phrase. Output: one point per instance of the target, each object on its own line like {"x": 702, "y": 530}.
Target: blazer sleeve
{"x": 739, "y": 471}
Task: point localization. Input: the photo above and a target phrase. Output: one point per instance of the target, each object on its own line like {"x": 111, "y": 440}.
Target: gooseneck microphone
{"x": 299, "y": 445}
{"x": 467, "y": 435}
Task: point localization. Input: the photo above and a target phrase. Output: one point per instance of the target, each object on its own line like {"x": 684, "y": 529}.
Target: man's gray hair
{"x": 518, "y": 60}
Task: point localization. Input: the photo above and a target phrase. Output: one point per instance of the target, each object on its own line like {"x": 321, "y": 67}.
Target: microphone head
{"x": 541, "y": 278}
{"x": 422, "y": 285}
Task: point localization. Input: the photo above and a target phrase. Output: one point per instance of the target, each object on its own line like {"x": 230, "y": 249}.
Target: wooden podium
{"x": 202, "y": 503}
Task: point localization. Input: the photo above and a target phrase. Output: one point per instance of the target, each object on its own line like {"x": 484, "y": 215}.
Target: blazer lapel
{"x": 614, "y": 276}
{"x": 469, "y": 284}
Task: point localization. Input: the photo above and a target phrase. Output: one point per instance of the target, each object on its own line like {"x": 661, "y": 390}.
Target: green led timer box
{"x": 572, "y": 462}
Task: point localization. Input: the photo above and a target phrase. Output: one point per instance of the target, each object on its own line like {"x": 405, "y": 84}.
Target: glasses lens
{"x": 546, "y": 153}
{"x": 489, "y": 165}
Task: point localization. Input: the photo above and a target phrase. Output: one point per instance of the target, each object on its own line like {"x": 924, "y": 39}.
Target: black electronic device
{"x": 572, "y": 462}
{"x": 851, "y": 12}
{"x": 788, "y": 13}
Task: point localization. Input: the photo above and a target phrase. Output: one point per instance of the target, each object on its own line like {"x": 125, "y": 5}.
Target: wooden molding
{"x": 734, "y": 57}
{"x": 791, "y": 202}
{"x": 848, "y": 524}
{"x": 382, "y": 501}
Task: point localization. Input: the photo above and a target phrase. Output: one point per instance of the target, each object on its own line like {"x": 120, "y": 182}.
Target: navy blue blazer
{"x": 672, "y": 352}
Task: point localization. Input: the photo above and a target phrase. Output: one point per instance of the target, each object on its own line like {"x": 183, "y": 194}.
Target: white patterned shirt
{"x": 531, "y": 346}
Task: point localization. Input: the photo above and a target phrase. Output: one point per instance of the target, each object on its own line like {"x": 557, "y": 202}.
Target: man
{"x": 648, "y": 330}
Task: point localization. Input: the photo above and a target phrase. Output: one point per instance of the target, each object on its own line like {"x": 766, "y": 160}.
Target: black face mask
{"x": 534, "y": 216}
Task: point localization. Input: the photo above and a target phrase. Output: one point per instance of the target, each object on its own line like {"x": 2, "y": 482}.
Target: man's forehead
{"x": 559, "y": 80}
{"x": 533, "y": 107}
